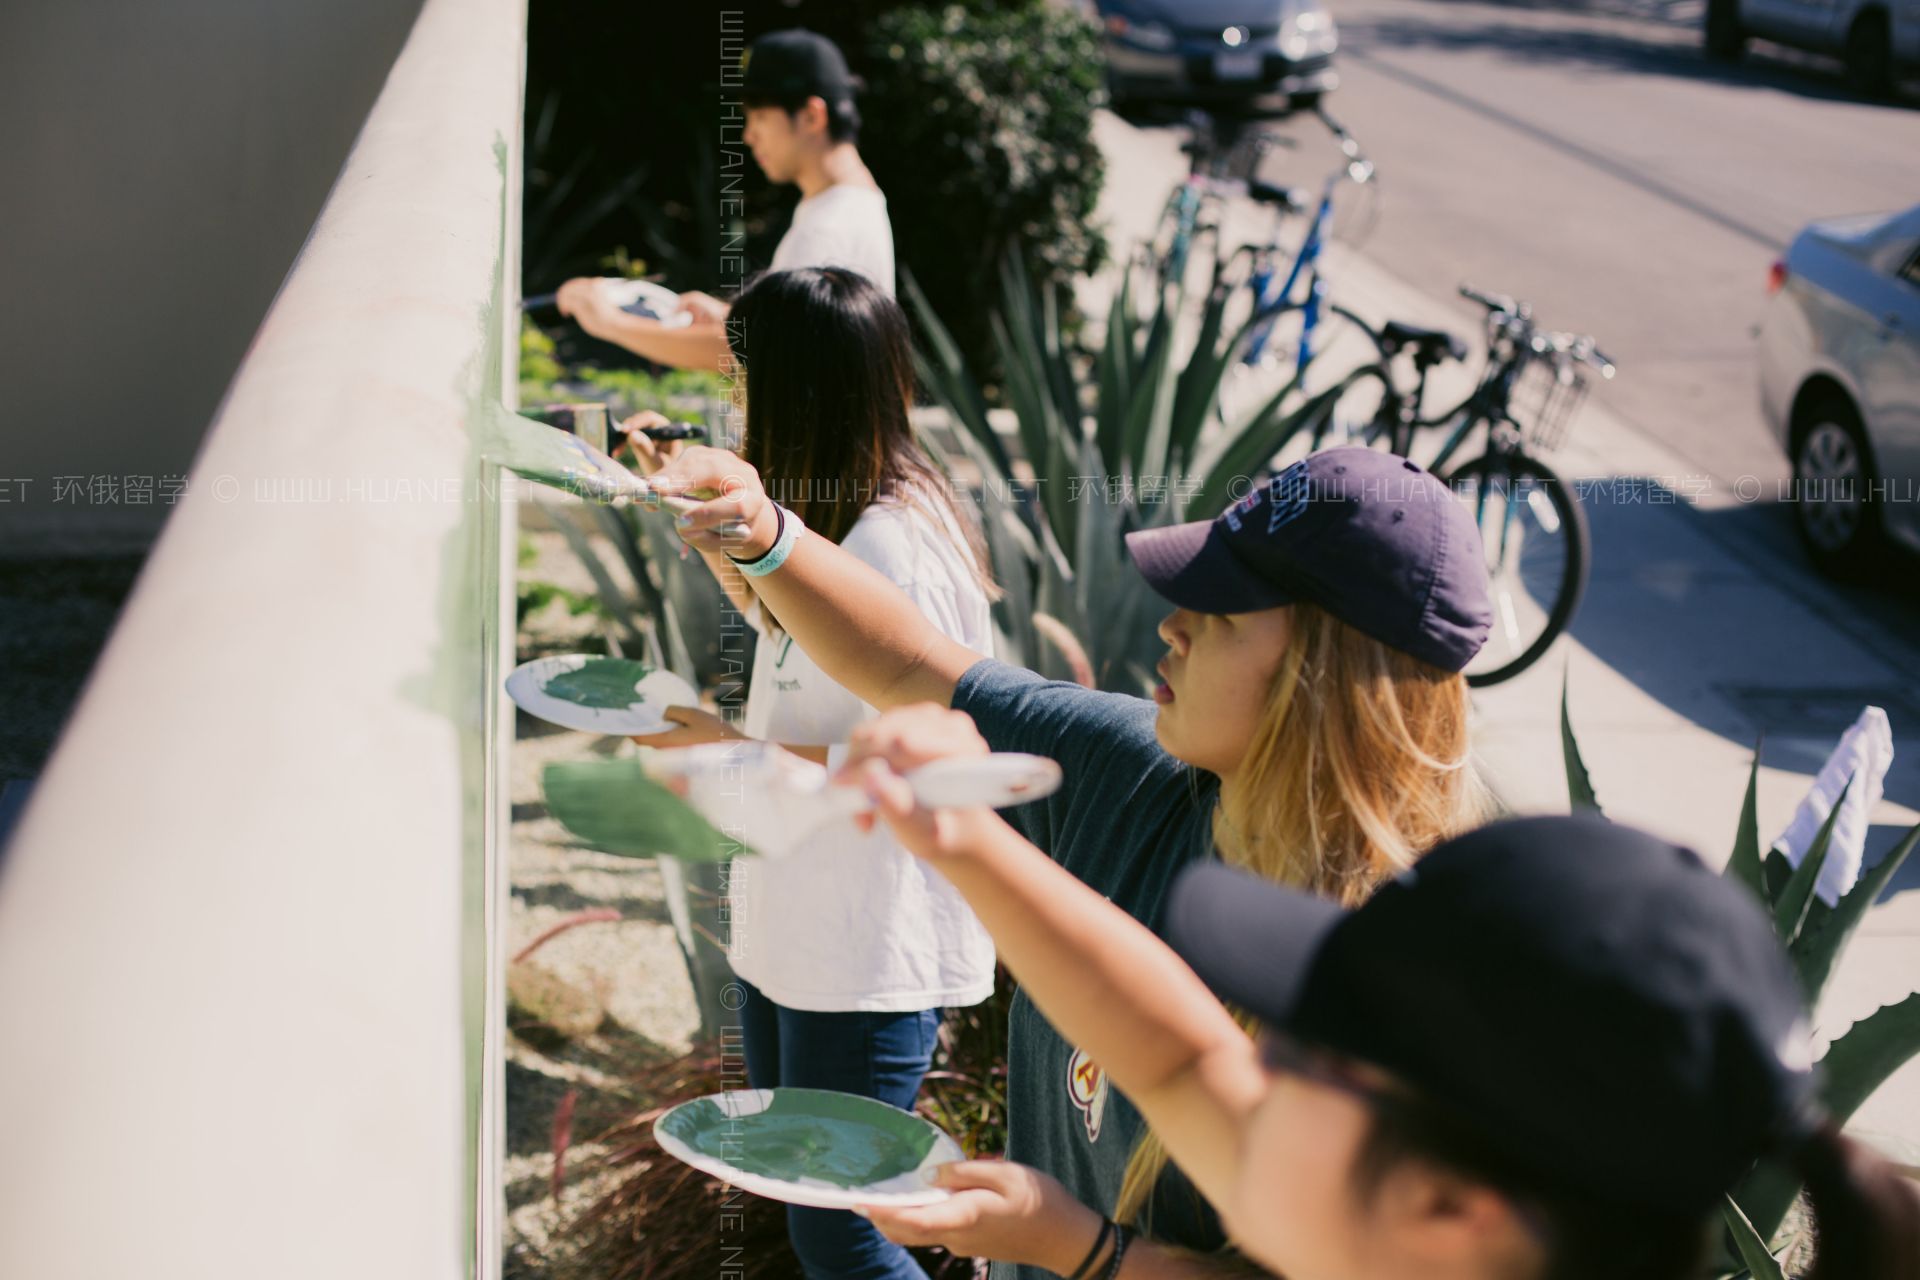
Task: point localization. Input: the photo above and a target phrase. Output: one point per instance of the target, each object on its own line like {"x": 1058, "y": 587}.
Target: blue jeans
{"x": 876, "y": 1055}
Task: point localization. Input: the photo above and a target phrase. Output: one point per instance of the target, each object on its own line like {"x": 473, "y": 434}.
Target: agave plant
{"x": 1126, "y": 437}
{"x": 1814, "y": 934}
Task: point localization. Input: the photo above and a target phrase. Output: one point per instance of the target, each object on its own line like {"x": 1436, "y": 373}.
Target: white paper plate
{"x": 598, "y": 694}
{"x": 810, "y": 1147}
{"x": 643, "y": 297}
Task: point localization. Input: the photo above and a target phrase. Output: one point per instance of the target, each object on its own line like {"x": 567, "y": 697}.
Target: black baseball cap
{"x": 1372, "y": 538}
{"x": 798, "y": 64}
{"x": 1605, "y": 1011}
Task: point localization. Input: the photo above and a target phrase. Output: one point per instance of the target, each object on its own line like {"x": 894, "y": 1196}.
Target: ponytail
{"x": 1866, "y": 1213}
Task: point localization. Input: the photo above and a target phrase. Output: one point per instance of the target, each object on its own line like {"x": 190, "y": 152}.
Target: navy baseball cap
{"x": 797, "y": 64}
{"x": 1372, "y": 538}
{"x": 1604, "y": 1011}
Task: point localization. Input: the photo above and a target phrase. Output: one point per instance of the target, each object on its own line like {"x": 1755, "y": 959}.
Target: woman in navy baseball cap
{"x": 1547, "y": 1052}
{"x": 1310, "y": 725}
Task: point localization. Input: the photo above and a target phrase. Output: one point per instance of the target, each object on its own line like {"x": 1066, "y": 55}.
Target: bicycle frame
{"x": 1270, "y": 303}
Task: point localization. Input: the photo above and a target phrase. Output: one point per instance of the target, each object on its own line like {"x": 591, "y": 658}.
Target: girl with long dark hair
{"x": 847, "y": 953}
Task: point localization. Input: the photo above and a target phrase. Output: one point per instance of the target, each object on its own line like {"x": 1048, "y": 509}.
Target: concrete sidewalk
{"x": 1686, "y": 650}
{"x": 1683, "y": 656}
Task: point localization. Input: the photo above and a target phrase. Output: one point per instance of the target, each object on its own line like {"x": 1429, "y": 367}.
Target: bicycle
{"x": 1271, "y": 301}
{"x": 1214, "y": 150}
{"x": 1532, "y": 526}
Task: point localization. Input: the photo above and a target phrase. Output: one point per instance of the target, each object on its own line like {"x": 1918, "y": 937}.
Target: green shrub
{"x": 980, "y": 129}
{"x": 1120, "y": 439}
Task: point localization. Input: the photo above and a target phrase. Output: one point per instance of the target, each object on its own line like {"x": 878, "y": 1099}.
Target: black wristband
{"x": 779, "y": 529}
{"x": 1120, "y": 1238}
{"x": 1099, "y": 1243}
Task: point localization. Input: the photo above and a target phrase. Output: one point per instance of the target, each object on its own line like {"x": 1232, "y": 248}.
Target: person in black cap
{"x": 1310, "y": 724}
{"x": 803, "y": 127}
{"x": 1546, "y": 1052}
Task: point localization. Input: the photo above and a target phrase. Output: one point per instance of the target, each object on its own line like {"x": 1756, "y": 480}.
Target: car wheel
{"x": 1869, "y": 55}
{"x": 1833, "y": 490}
{"x": 1725, "y": 40}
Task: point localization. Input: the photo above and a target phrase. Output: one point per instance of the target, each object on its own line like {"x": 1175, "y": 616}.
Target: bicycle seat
{"x": 1429, "y": 345}
{"x": 1288, "y": 198}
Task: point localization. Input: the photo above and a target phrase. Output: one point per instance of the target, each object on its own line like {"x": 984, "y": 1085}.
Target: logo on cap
{"x": 1288, "y": 493}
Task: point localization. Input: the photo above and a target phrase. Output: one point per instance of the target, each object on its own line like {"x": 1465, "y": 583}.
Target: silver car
{"x": 1218, "y": 52}
{"x": 1840, "y": 383}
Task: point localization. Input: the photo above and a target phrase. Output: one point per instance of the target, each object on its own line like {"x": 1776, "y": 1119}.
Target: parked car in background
{"x": 1840, "y": 383}
{"x": 1214, "y": 52}
{"x": 1876, "y": 39}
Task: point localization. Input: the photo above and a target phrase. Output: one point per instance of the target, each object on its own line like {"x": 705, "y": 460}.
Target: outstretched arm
{"x": 860, "y": 629}
{"x": 700, "y": 345}
{"x": 1101, "y": 978}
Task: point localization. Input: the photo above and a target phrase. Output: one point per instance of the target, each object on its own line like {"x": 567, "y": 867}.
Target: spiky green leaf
{"x": 1744, "y": 865}
{"x": 1580, "y": 794}
{"x": 1818, "y": 948}
{"x": 1760, "y": 1263}
{"x": 1872, "y": 1049}
{"x": 1790, "y": 909}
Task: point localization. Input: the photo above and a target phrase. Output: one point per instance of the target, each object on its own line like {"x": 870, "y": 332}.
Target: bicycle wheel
{"x": 1535, "y": 536}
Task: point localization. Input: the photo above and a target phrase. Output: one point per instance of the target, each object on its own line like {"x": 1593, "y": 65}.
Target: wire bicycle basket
{"x": 1549, "y": 394}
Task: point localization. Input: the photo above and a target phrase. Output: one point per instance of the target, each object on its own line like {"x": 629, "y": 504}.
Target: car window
{"x": 1910, "y": 272}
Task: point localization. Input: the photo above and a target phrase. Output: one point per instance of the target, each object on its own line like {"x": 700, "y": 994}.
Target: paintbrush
{"x": 565, "y": 461}
{"x": 712, "y": 801}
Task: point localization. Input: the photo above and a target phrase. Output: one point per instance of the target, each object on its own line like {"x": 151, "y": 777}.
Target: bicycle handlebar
{"x": 1493, "y": 301}
{"x": 1514, "y": 318}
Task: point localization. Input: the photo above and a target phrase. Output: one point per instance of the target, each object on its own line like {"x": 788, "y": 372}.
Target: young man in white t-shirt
{"x": 802, "y": 127}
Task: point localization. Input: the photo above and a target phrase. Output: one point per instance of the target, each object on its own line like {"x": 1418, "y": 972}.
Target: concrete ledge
{"x": 243, "y": 921}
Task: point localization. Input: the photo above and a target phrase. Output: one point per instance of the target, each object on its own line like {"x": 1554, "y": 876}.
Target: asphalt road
{"x": 1587, "y": 158}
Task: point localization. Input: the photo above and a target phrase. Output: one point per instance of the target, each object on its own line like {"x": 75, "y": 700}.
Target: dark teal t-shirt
{"x": 1126, "y": 819}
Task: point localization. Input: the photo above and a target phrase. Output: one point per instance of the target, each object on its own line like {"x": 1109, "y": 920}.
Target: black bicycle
{"x": 1531, "y": 522}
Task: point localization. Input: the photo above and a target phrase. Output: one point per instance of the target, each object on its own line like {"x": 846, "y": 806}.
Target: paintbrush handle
{"x": 678, "y": 503}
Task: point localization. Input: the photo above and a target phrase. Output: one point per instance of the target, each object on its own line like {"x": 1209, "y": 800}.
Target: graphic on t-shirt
{"x": 1087, "y": 1086}
{"x": 785, "y": 645}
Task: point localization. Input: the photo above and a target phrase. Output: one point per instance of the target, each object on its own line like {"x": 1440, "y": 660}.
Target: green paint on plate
{"x": 607, "y": 683}
{"x": 814, "y": 1134}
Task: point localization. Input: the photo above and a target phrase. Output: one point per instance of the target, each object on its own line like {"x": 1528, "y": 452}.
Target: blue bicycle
{"x": 1276, "y": 294}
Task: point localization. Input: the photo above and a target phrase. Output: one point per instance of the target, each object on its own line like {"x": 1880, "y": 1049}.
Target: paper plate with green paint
{"x": 810, "y": 1147}
{"x": 598, "y": 694}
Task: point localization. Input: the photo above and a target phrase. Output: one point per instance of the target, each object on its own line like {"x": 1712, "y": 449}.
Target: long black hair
{"x": 829, "y": 382}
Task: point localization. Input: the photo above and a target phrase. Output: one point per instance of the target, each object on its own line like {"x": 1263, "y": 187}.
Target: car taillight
{"x": 1776, "y": 277}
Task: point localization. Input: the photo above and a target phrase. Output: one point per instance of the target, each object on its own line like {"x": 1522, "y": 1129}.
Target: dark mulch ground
{"x": 55, "y": 616}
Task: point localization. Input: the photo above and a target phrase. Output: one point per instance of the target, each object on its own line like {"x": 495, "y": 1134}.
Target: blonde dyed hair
{"x": 1360, "y": 764}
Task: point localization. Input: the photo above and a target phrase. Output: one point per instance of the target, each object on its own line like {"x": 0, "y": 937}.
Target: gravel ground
{"x": 631, "y": 968}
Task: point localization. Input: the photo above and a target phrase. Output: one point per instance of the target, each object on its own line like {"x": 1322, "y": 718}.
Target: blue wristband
{"x": 790, "y": 528}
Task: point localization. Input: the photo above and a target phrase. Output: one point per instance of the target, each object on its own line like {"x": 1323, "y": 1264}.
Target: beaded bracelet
{"x": 790, "y": 529}
{"x": 1099, "y": 1243}
{"x": 1120, "y": 1238}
